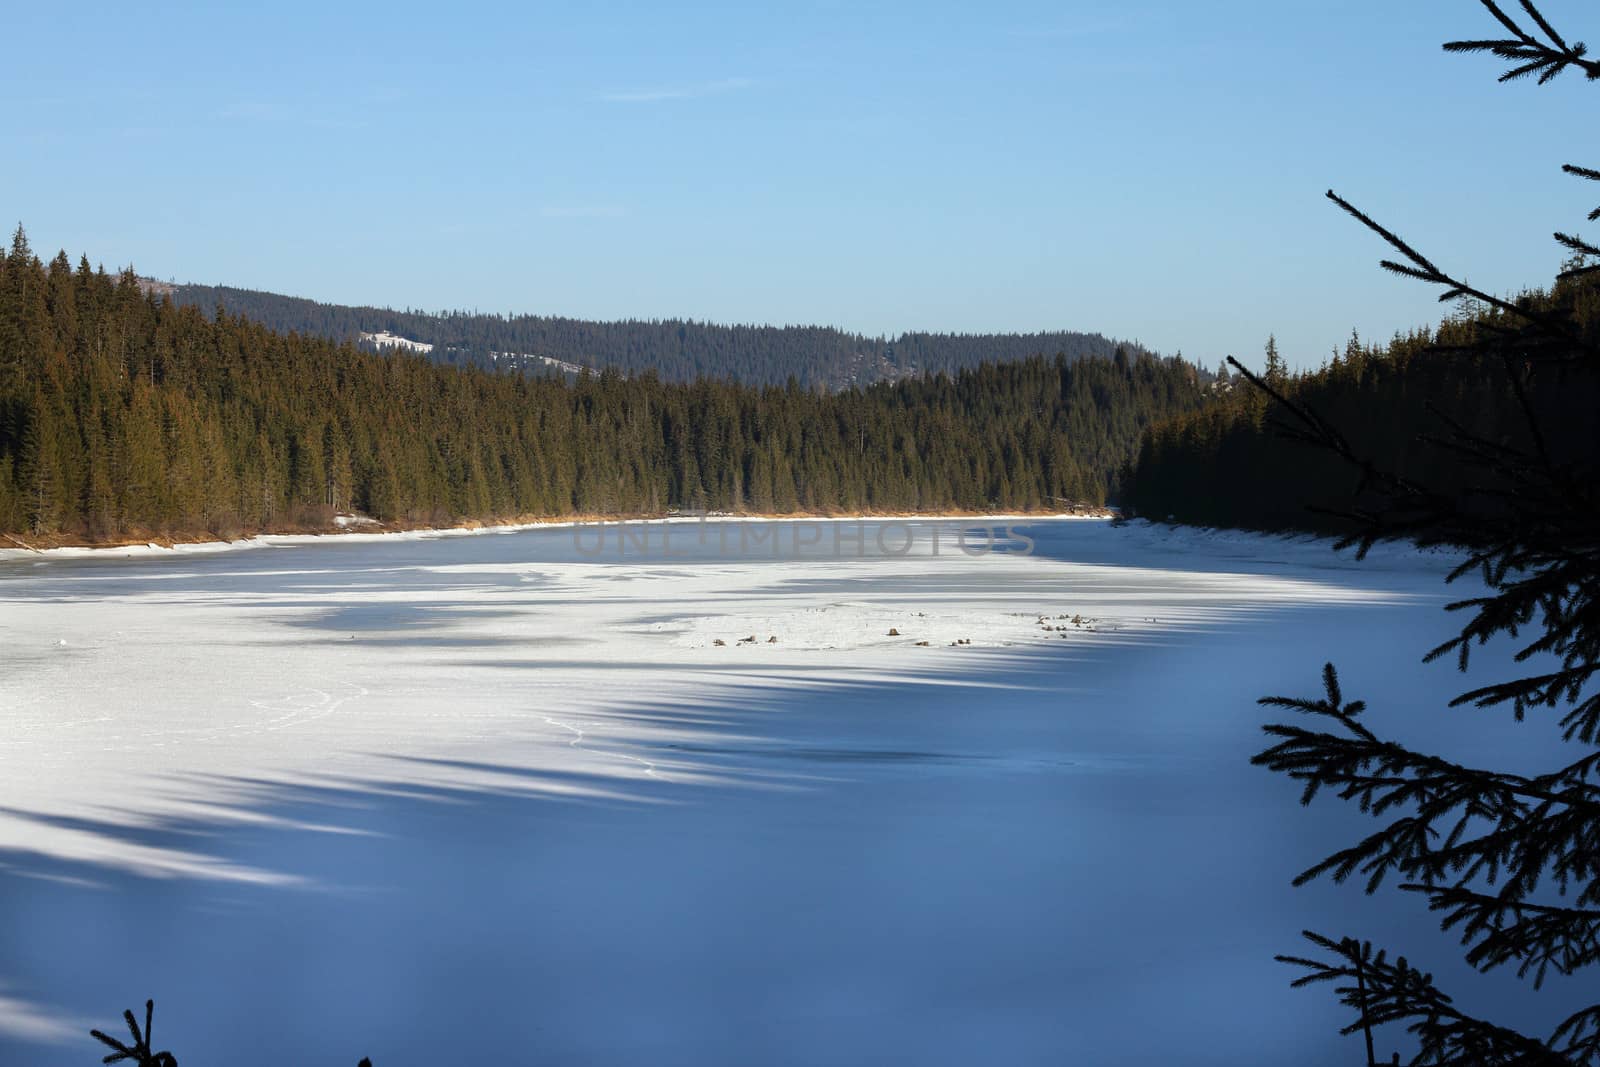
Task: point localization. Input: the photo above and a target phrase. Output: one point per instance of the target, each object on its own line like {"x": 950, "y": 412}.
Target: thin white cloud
{"x": 582, "y": 211}
{"x": 253, "y": 111}
{"x": 29, "y": 1022}
{"x": 256, "y": 111}
{"x": 34, "y": 101}
{"x": 1088, "y": 27}
{"x": 389, "y": 94}
{"x": 658, "y": 93}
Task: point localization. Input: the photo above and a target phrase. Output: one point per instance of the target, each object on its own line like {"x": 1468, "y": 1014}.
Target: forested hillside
{"x": 1233, "y": 462}
{"x": 122, "y": 413}
{"x": 678, "y": 351}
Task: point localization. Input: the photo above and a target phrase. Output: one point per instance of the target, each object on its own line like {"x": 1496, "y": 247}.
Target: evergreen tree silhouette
{"x": 141, "y": 1051}
{"x": 1509, "y": 861}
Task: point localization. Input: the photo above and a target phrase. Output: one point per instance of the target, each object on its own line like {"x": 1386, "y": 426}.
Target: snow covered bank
{"x": 1212, "y": 539}
{"x": 357, "y": 528}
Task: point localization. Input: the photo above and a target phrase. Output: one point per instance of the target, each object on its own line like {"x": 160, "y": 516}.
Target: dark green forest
{"x": 678, "y": 351}
{"x": 122, "y": 413}
{"x": 1407, "y": 408}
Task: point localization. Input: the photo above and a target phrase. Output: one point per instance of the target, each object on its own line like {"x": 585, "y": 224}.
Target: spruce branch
{"x": 1529, "y": 54}
{"x": 1456, "y": 832}
{"x": 1499, "y": 930}
{"x": 1510, "y": 862}
{"x": 1384, "y": 992}
{"x": 140, "y": 1051}
{"x": 1591, "y": 175}
{"x": 1423, "y": 269}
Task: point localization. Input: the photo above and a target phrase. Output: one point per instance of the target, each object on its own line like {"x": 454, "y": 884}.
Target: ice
{"x": 498, "y": 796}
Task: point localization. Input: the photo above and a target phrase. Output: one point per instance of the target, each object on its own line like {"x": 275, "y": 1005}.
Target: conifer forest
{"x": 1239, "y": 459}
{"x": 122, "y": 413}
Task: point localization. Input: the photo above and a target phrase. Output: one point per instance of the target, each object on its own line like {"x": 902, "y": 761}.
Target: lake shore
{"x": 362, "y": 529}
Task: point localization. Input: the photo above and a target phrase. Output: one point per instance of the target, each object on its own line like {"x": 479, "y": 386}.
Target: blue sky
{"x": 1151, "y": 169}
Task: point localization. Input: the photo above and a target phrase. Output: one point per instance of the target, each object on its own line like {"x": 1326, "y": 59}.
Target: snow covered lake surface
{"x": 523, "y": 797}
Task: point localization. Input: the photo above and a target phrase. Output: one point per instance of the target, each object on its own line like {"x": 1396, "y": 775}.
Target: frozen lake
{"x": 527, "y": 797}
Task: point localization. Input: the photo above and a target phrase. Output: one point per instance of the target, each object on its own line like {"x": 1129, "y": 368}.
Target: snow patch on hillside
{"x": 549, "y": 361}
{"x": 385, "y": 339}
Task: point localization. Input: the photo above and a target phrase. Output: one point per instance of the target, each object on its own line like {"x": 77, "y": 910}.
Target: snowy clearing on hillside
{"x": 385, "y": 339}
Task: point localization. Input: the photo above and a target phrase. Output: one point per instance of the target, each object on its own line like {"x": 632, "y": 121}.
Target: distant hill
{"x": 677, "y": 350}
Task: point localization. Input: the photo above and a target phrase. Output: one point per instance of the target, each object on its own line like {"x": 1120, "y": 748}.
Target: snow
{"x": 385, "y": 339}
{"x": 604, "y": 533}
{"x": 549, "y": 361}
{"x": 501, "y": 794}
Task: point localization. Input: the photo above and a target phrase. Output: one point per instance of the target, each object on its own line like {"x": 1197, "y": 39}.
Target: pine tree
{"x": 41, "y": 468}
{"x": 1509, "y": 860}
{"x": 1276, "y": 373}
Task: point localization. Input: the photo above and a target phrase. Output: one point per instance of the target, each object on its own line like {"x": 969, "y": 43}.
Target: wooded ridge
{"x": 677, "y": 350}
{"x": 123, "y": 414}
